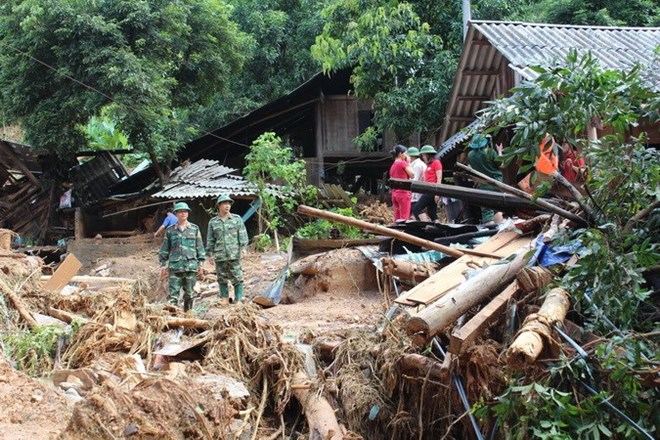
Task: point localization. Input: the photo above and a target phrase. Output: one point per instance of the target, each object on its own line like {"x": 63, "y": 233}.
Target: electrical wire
{"x": 95, "y": 90}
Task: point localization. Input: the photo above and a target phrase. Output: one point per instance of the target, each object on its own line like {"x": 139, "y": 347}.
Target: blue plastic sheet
{"x": 547, "y": 255}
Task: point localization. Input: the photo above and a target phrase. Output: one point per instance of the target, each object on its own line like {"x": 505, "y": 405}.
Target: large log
{"x": 520, "y": 193}
{"x": 407, "y": 270}
{"x": 320, "y": 415}
{"x": 536, "y": 331}
{"x": 18, "y": 305}
{"x": 440, "y": 314}
{"x": 464, "y": 336}
{"x": 422, "y": 365}
{"x": 378, "y": 229}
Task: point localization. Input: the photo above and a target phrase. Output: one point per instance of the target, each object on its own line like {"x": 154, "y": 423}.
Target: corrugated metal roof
{"x": 616, "y": 48}
{"x": 456, "y": 139}
{"x": 205, "y": 178}
{"x": 497, "y": 55}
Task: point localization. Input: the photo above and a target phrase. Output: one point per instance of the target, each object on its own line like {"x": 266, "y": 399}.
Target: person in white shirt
{"x": 418, "y": 166}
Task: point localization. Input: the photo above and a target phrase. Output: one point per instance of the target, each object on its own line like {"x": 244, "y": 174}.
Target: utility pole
{"x": 467, "y": 16}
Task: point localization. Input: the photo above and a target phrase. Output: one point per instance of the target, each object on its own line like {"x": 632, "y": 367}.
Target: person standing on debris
{"x": 401, "y": 169}
{"x": 181, "y": 256}
{"x": 170, "y": 220}
{"x": 225, "y": 241}
{"x": 418, "y": 166}
{"x": 432, "y": 174}
{"x": 484, "y": 159}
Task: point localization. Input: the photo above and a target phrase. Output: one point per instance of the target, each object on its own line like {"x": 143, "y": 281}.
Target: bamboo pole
{"x": 537, "y": 329}
{"x": 438, "y": 315}
{"x": 378, "y": 229}
{"x": 65, "y": 316}
{"x": 520, "y": 193}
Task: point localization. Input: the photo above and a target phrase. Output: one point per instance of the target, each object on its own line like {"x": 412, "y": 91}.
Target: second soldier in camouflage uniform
{"x": 181, "y": 256}
{"x": 225, "y": 240}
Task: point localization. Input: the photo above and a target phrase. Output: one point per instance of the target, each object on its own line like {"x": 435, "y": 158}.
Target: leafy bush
{"x": 33, "y": 351}
{"x": 322, "y": 229}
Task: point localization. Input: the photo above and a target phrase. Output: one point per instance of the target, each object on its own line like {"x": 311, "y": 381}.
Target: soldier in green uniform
{"x": 181, "y": 256}
{"x": 225, "y": 240}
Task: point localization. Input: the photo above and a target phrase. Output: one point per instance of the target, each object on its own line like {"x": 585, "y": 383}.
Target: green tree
{"x": 641, "y": 13}
{"x": 271, "y": 162}
{"x": 143, "y": 62}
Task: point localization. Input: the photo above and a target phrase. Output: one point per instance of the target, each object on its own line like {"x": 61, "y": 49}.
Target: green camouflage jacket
{"x": 226, "y": 238}
{"x": 182, "y": 251}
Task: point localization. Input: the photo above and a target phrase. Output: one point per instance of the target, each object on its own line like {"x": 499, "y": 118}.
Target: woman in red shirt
{"x": 433, "y": 174}
{"x": 401, "y": 169}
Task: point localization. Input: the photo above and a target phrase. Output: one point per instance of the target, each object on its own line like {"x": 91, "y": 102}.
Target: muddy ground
{"x": 342, "y": 295}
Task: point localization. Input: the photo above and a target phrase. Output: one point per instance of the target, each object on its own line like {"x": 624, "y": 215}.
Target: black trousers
{"x": 426, "y": 201}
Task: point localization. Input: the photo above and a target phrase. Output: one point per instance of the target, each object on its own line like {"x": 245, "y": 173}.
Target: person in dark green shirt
{"x": 484, "y": 159}
{"x": 181, "y": 257}
{"x": 225, "y": 240}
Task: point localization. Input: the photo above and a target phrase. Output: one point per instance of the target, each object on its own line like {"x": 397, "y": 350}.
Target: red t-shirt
{"x": 398, "y": 169}
{"x": 430, "y": 175}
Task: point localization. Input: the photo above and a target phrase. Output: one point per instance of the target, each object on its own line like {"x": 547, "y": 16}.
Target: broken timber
{"x": 18, "y": 305}
{"x": 520, "y": 193}
{"x": 481, "y": 197}
{"x": 537, "y": 330}
{"x": 437, "y": 316}
{"x": 464, "y": 336}
{"x": 452, "y": 252}
{"x": 407, "y": 270}
{"x": 500, "y": 246}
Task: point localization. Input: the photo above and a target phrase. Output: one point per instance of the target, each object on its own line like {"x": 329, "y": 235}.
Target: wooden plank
{"x": 464, "y": 336}
{"x": 69, "y": 267}
{"x": 454, "y": 274}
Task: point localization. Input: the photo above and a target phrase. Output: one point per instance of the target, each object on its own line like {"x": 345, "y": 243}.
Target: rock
{"x": 224, "y": 384}
{"x": 131, "y": 429}
{"x": 66, "y": 386}
{"x": 49, "y": 320}
{"x": 73, "y": 395}
{"x": 37, "y": 397}
{"x": 84, "y": 376}
{"x": 235, "y": 432}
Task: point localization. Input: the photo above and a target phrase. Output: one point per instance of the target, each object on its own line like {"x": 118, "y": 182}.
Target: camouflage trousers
{"x": 178, "y": 280}
{"x": 229, "y": 270}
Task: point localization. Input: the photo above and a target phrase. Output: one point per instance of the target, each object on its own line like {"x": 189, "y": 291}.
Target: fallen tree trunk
{"x": 537, "y": 330}
{"x": 18, "y": 305}
{"x": 378, "y": 229}
{"x": 423, "y": 366}
{"x": 319, "y": 413}
{"x": 440, "y": 314}
{"x": 407, "y": 270}
{"x": 520, "y": 193}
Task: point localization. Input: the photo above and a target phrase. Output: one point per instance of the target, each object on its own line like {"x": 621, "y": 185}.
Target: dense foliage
{"x": 143, "y": 62}
{"x": 608, "y": 287}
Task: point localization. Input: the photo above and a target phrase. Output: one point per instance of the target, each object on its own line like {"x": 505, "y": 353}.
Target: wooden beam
{"x": 21, "y": 166}
{"x": 69, "y": 267}
{"x": 464, "y": 336}
{"x": 479, "y": 72}
{"x": 474, "y": 98}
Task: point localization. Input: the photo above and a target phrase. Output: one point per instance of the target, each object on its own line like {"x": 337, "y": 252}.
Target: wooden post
{"x": 537, "y": 329}
{"x": 456, "y": 253}
{"x": 79, "y": 224}
{"x": 437, "y": 316}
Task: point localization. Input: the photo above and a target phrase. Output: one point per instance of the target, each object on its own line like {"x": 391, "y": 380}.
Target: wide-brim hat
{"x": 223, "y": 198}
{"x": 427, "y": 149}
{"x": 181, "y": 206}
{"x": 413, "y": 152}
{"x": 478, "y": 141}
